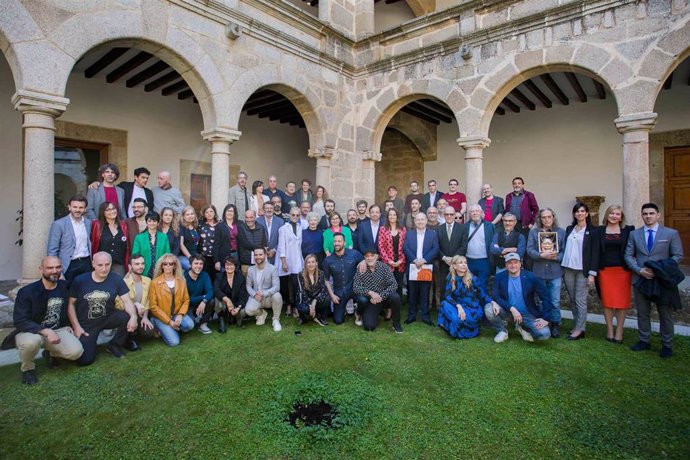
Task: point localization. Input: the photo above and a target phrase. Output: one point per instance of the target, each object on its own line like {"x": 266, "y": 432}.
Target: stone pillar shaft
{"x": 323, "y": 156}
{"x": 474, "y": 172}
{"x": 635, "y": 129}
{"x": 38, "y": 196}
{"x": 220, "y": 139}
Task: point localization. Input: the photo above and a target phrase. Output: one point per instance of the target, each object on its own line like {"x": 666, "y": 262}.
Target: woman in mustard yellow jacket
{"x": 169, "y": 300}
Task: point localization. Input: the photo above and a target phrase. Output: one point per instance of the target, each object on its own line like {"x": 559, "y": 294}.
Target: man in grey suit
{"x": 652, "y": 242}
{"x": 449, "y": 241}
{"x": 271, "y": 224}
{"x": 263, "y": 286}
{"x": 239, "y": 195}
{"x": 106, "y": 191}
{"x": 69, "y": 239}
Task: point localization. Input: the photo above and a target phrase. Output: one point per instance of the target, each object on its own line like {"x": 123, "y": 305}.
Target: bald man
{"x": 165, "y": 195}
{"x": 91, "y": 309}
{"x": 40, "y": 318}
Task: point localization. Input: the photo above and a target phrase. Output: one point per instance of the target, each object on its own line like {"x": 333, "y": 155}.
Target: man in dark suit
{"x": 420, "y": 248}
{"x": 271, "y": 226}
{"x": 368, "y": 229}
{"x": 137, "y": 189}
{"x": 432, "y": 196}
{"x": 652, "y": 242}
{"x": 477, "y": 236}
{"x": 449, "y": 241}
{"x": 514, "y": 291}
{"x": 69, "y": 239}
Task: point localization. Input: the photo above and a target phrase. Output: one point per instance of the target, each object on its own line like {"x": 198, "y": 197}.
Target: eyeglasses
{"x": 294, "y": 215}
{"x": 449, "y": 215}
{"x": 167, "y": 264}
{"x": 110, "y": 209}
{"x": 457, "y": 218}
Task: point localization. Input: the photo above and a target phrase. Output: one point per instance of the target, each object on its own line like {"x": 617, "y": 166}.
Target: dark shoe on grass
{"x": 397, "y": 328}
{"x": 640, "y": 346}
{"x": 555, "y": 330}
{"x": 222, "y": 326}
{"x": 50, "y": 361}
{"x": 132, "y": 346}
{"x": 29, "y": 377}
{"x": 666, "y": 352}
{"x": 115, "y": 350}
{"x": 410, "y": 321}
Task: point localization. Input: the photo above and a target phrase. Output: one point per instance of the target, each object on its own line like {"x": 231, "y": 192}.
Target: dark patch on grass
{"x": 318, "y": 413}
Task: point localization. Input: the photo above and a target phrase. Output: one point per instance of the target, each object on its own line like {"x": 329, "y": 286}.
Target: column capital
{"x": 221, "y": 134}
{"x": 468, "y": 142}
{"x": 33, "y": 101}
{"x": 325, "y": 153}
{"x": 644, "y": 121}
{"x": 371, "y": 156}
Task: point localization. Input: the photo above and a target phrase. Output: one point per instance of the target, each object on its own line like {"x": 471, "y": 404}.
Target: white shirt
{"x": 432, "y": 198}
{"x": 476, "y": 248}
{"x": 374, "y": 229}
{"x": 81, "y": 244}
{"x": 137, "y": 192}
{"x": 269, "y": 224}
{"x": 572, "y": 256}
{"x": 420, "y": 244}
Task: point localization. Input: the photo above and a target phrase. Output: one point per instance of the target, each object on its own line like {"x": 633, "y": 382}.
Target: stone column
{"x": 369, "y": 174}
{"x": 635, "y": 129}
{"x": 474, "y": 174}
{"x": 354, "y": 18}
{"x": 323, "y": 156}
{"x": 39, "y": 112}
{"x": 220, "y": 139}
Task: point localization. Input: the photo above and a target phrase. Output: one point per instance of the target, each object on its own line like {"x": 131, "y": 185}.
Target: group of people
{"x": 138, "y": 263}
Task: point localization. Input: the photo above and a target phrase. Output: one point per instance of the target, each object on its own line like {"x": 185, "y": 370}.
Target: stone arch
{"x": 661, "y": 59}
{"x": 305, "y": 99}
{"x": 418, "y": 132}
{"x": 583, "y": 58}
{"x": 386, "y": 104}
{"x": 81, "y": 33}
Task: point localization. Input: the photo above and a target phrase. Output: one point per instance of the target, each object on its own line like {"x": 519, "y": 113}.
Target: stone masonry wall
{"x": 400, "y": 163}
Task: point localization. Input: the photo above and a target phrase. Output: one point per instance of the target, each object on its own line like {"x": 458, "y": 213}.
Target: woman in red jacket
{"x": 109, "y": 234}
{"x": 391, "y": 240}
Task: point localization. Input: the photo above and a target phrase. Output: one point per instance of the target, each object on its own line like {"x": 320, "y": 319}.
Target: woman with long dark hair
{"x": 226, "y": 237}
{"x": 170, "y": 227}
{"x": 207, "y": 239}
{"x": 391, "y": 241}
{"x": 109, "y": 234}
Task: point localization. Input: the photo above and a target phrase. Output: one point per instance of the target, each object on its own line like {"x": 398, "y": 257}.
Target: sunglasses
{"x": 168, "y": 263}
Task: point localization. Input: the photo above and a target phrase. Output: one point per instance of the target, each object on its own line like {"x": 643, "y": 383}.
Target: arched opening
{"x": 10, "y": 176}
{"x": 555, "y": 129}
{"x": 669, "y": 150}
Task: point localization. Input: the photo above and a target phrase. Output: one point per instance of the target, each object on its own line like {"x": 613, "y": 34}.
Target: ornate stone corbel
{"x": 371, "y": 156}
{"x": 233, "y": 30}
{"x": 325, "y": 153}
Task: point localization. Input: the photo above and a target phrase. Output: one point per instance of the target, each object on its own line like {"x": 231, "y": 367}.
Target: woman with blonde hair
{"x": 462, "y": 309}
{"x": 614, "y": 278}
{"x": 312, "y": 296}
{"x": 169, "y": 300}
{"x": 189, "y": 236}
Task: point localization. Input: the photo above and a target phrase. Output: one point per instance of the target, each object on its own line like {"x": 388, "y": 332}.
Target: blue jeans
{"x": 184, "y": 262}
{"x": 481, "y": 268}
{"x": 554, "y": 288}
{"x": 170, "y": 336}
{"x": 339, "y": 308}
{"x": 528, "y": 322}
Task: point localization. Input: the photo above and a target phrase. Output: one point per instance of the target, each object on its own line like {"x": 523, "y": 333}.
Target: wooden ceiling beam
{"x": 144, "y": 75}
{"x": 107, "y": 59}
{"x": 572, "y": 78}
{"x": 421, "y": 115}
{"x": 274, "y": 106}
{"x": 186, "y": 94}
{"x": 258, "y": 95}
{"x": 174, "y": 88}
{"x": 534, "y": 89}
{"x": 439, "y": 107}
{"x": 601, "y": 91}
{"x": 155, "y": 84}
{"x": 500, "y": 111}
{"x": 669, "y": 82}
{"x": 551, "y": 84}
{"x": 432, "y": 113}
{"x": 128, "y": 66}
{"x": 264, "y": 102}
{"x": 511, "y": 105}
{"x": 524, "y": 99}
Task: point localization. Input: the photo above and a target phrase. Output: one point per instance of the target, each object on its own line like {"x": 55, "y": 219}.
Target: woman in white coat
{"x": 289, "y": 255}
{"x": 257, "y": 198}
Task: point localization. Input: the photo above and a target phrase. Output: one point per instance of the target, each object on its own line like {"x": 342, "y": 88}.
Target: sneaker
{"x": 204, "y": 329}
{"x": 320, "y": 321}
{"x": 639, "y": 346}
{"x": 115, "y": 350}
{"x": 397, "y": 328}
{"x": 276, "y": 325}
{"x": 526, "y": 336}
{"x": 29, "y": 377}
{"x": 261, "y": 318}
{"x": 666, "y": 352}
{"x": 501, "y": 337}
{"x": 358, "y": 320}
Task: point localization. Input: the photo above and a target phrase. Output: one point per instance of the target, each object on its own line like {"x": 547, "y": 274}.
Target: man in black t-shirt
{"x": 92, "y": 309}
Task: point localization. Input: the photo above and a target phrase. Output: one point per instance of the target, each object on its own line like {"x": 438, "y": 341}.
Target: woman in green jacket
{"x": 151, "y": 244}
{"x": 336, "y": 227}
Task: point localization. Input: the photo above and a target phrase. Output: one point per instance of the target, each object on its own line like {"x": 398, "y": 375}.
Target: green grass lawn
{"x": 415, "y": 395}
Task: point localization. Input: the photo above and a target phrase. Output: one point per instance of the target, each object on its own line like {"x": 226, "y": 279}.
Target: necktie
{"x": 650, "y": 239}
{"x": 246, "y": 200}
{"x": 449, "y": 230}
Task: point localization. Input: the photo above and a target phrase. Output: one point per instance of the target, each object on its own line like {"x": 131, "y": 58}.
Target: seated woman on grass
{"x": 169, "y": 300}
{"x": 462, "y": 309}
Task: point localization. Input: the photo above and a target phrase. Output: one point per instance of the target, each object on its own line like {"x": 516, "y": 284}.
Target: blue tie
{"x": 650, "y": 239}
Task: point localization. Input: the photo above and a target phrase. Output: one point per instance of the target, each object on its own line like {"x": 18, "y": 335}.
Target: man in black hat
{"x": 375, "y": 288}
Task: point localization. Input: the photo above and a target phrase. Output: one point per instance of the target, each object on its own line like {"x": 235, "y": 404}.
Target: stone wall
{"x": 400, "y": 163}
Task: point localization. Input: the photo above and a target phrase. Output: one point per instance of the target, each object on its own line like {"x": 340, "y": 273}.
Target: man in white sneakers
{"x": 263, "y": 286}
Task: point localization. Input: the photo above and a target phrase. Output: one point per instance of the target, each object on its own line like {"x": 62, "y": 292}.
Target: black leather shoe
{"x": 222, "y": 325}
{"x": 115, "y": 350}
{"x": 50, "y": 361}
{"x": 132, "y": 346}
{"x": 410, "y": 321}
{"x": 397, "y": 328}
{"x": 640, "y": 346}
{"x": 29, "y": 377}
{"x": 427, "y": 322}
{"x": 666, "y": 352}
{"x": 555, "y": 331}
{"x": 577, "y": 337}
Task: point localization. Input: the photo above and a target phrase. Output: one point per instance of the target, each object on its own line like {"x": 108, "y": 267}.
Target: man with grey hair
{"x": 477, "y": 236}
{"x": 506, "y": 241}
{"x": 239, "y": 195}
{"x": 165, "y": 195}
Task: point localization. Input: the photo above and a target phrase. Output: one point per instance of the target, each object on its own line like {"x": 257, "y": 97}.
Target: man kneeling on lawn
{"x": 375, "y": 288}
{"x": 514, "y": 291}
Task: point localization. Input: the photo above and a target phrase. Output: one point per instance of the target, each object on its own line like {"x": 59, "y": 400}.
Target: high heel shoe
{"x": 577, "y": 337}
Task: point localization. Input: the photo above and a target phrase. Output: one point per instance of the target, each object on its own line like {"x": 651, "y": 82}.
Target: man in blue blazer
{"x": 368, "y": 229}
{"x": 477, "y": 235}
{"x": 421, "y": 247}
{"x": 69, "y": 239}
{"x": 514, "y": 291}
{"x": 271, "y": 226}
{"x": 652, "y": 242}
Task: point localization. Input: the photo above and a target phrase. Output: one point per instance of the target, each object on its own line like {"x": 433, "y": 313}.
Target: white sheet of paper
{"x": 414, "y": 270}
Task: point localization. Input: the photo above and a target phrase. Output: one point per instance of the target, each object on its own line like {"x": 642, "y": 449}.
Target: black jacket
{"x": 663, "y": 288}
{"x": 248, "y": 240}
{"x": 590, "y": 254}
{"x": 128, "y": 188}
{"x": 601, "y": 241}
{"x": 237, "y": 293}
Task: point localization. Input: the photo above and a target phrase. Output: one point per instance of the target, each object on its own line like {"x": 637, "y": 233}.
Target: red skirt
{"x": 615, "y": 286}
